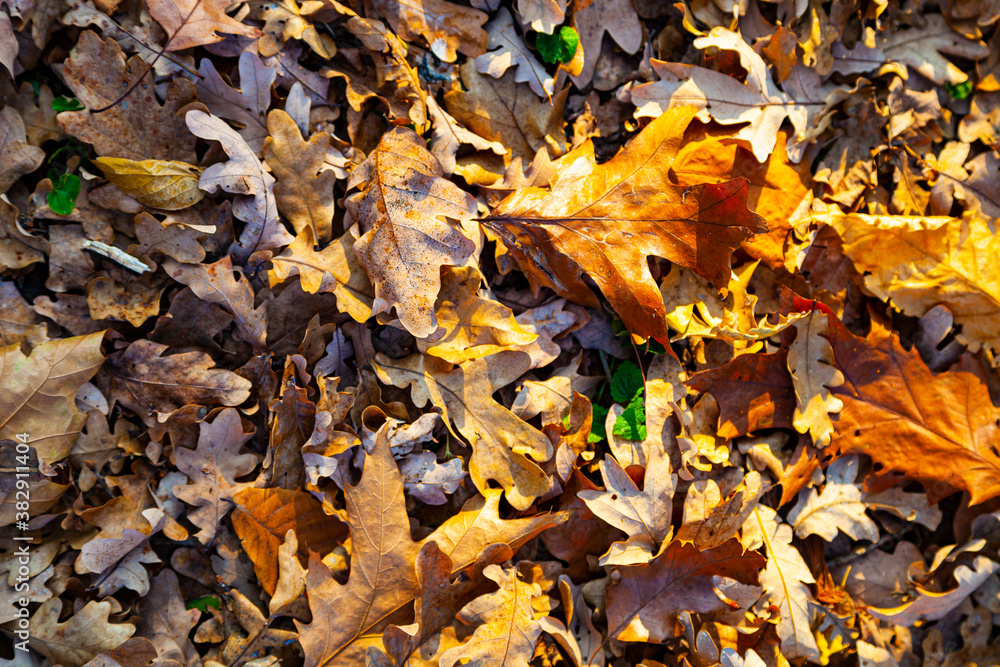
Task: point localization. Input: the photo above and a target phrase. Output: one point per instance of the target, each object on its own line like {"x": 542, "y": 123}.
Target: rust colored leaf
{"x": 940, "y": 430}
{"x": 262, "y": 517}
{"x": 754, "y": 392}
{"x": 643, "y": 605}
{"x": 606, "y": 220}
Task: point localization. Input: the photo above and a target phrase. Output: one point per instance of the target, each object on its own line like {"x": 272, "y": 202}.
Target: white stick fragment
{"x": 116, "y": 255}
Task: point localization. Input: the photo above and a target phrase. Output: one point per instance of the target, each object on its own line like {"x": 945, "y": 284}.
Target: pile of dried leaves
{"x": 430, "y": 333}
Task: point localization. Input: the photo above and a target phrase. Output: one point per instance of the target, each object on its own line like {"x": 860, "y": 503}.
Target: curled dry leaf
{"x": 164, "y": 184}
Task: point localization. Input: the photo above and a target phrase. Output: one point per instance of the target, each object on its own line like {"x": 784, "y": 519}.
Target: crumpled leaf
{"x": 814, "y": 376}
{"x": 644, "y": 515}
{"x": 213, "y": 468}
{"x": 723, "y": 98}
{"x": 243, "y": 175}
{"x": 512, "y": 114}
{"x": 39, "y": 391}
{"x": 191, "y": 23}
{"x": 504, "y": 447}
{"x": 709, "y": 519}
{"x": 839, "y": 506}
{"x": 165, "y": 184}
{"x": 401, "y": 209}
{"x": 507, "y": 49}
{"x": 507, "y": 627}
{"x": 304, "y": 189}
{"x": 932, "y": 605}
{"x": 630, "y": 206}
{"x": 429, "y": 481}
{"x": 469, "y": 326}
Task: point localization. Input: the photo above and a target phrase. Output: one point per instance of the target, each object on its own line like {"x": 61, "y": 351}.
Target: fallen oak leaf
{"x": 213, "y": 468}
{"x": 247, "y": 105}
{"x": 243, "y": 175}
{"x": 814, "y": 376}
{"x": 400, "y": 208}
{"x": 940, "y": 431}
{"x": 607, "y": 219}
{"x": 644, "y": 602}
{"x": 446, "y": 26}
{"x": 145, "y": 382}
{"x": 304, "y": 189}
{"x": 39, "y": 392}
{"x": 190, "y": 23}
{"x": 383, "y": 579}
{"x": 334, "y": 269}
{"x": 504, "y": 447}
{"x": 141, "y": 129}
{"x": 262, "y": 517}
{"x": 215, "y": 283}
{"x": 507, "y": 622}
{"x": 81, "y": 637}
{"x": 509, "y": 50}
{"x": 644, "y": 515}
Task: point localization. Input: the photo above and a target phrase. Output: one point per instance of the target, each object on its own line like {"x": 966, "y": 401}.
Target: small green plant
{"x": 959, "y": 91}
{"x": 65, "y": 189}
{"x": 66, "y": 104}
{"x": 203, "y": 603}
{"x": 628, "y": 389}
{"x": 558, "y": 47}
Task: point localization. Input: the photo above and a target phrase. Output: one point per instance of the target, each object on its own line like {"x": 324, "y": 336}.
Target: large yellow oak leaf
{"x": 921, "y": 263}
{"x": 607, "y": 220}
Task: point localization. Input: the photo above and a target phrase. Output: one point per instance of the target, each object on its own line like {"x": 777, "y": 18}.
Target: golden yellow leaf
{"x": 166, "y": 184}
{"x": 922, "y": 262}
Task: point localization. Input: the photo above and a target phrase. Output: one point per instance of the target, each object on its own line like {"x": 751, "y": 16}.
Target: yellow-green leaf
{"x": 165, "y": 184}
